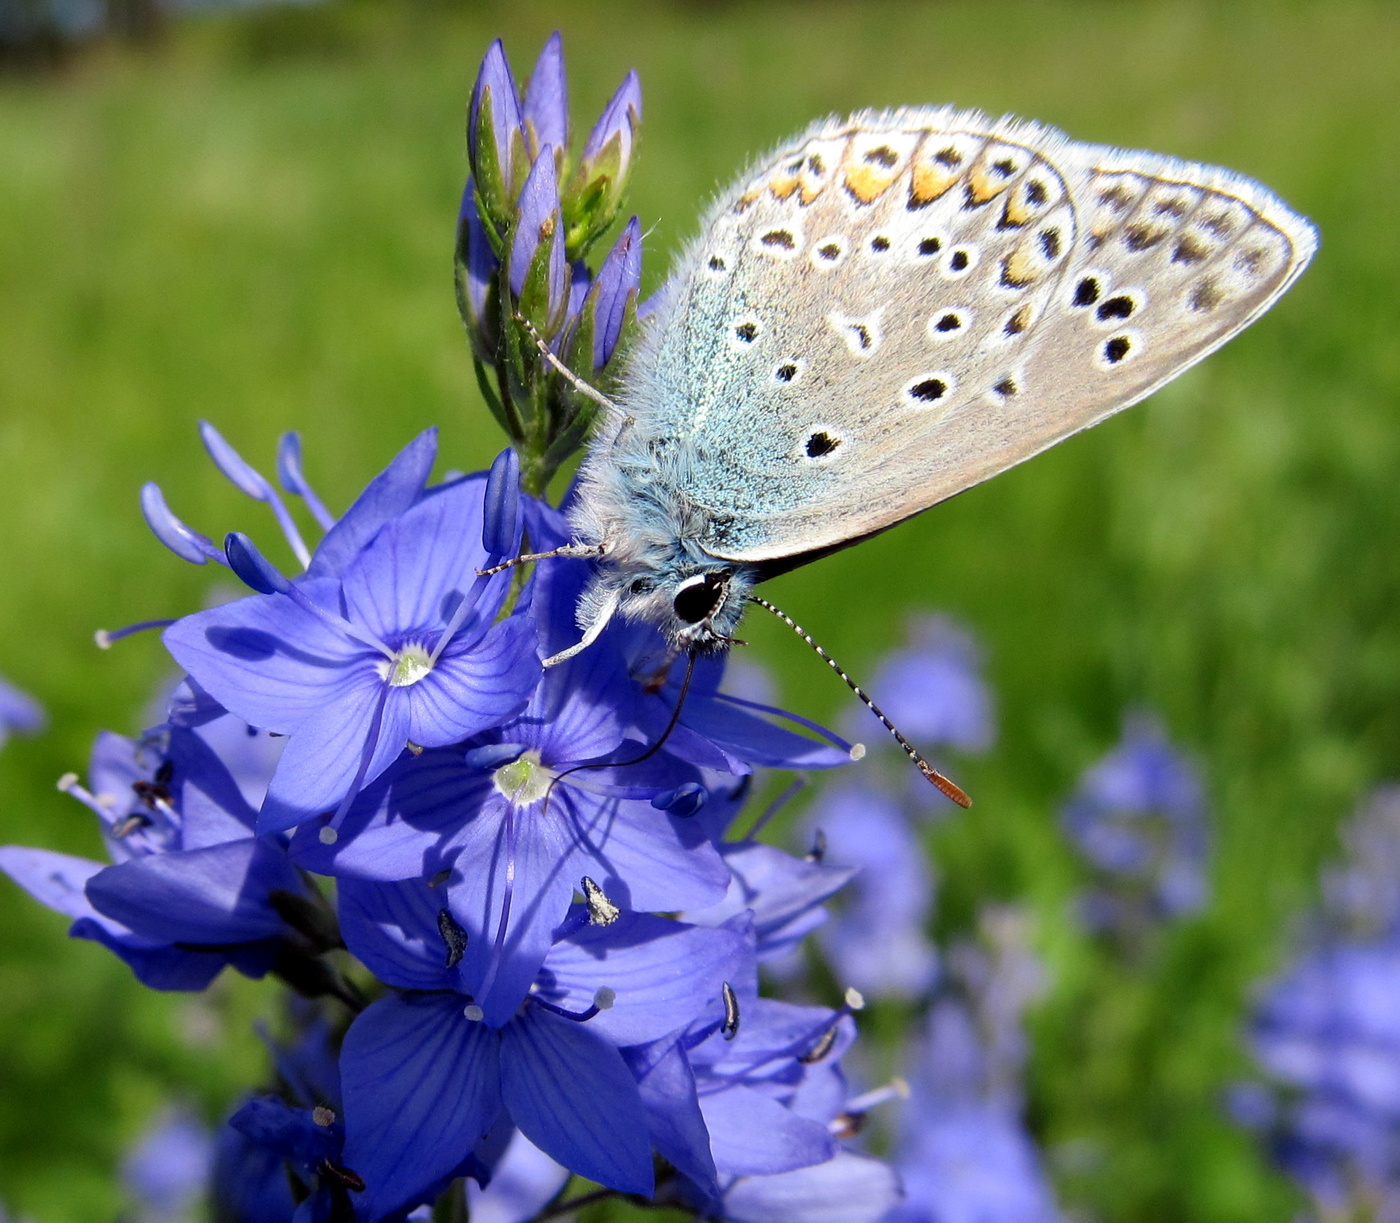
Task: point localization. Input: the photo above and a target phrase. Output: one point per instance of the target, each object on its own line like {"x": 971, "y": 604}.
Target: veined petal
{"x": 572, "y": 1095}
{"x": 388, "y": 495}
{"x": 322, "y": 758}
{"x": 266, "y": 659}
{"x": 215, "y": 895}
{"x": 399, "y": 827}
{"x": 212, "y": 807}
{"x": 753, "y": 1135}
{"x": 662, "y": 974}
{"x": 392, "y": 929}
{"x": 498, "y": 971}
{"x": 848, "y": 1188}
{"x": 406, "y": 578}
{"x": 422, "y": 1087}
{"x": 474, "y": 688}
{"x": 655, "y": 861}
{"x": 667, "y": 1086}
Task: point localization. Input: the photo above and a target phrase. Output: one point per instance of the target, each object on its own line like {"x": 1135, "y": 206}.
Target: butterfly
{"x": 884, "y": 312}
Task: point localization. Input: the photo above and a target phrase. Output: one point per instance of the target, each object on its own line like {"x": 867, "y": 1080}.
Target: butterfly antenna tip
{"x": 947, "y": 788}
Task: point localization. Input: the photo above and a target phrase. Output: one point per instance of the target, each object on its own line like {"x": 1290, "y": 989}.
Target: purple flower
{"x": 546, "y": 111}
{"x": 933, "y": 690}
{"x": 1139, "y": 818}
{"x": 879, "y": 944}
{"x": 963, "y": 1152}
{"x": 427, "y": 1072}
{"x": 537, "y": 267}
{"x": 167, "y": 1171}
{"x": 396, "y": 646}
{"x": 613, "y": 137}
{"x": 496, "y": 136}
{"x": 19, "y": 713}
{"x": 191, "y": 888}
{"x": 614, "y": 290}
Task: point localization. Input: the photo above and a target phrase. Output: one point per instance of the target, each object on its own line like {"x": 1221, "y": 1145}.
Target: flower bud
{"x": 546, "y": 111}
{"x": 596, "y": 189}
{"x": 476, "y": 272}
{"x": 539, "y": 279}
{"x": 610, "y": 305}
{"x": 496, "y": 138}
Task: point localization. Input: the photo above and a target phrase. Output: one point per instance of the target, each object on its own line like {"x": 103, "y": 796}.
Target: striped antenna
{"x": 946, "y": 787}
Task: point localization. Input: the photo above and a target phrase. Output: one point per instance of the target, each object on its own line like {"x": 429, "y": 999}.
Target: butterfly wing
{"x": 898, "y": 306}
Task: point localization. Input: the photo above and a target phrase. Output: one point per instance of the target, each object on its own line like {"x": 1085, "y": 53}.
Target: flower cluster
{"x": 958, "y": 1141}
{"x": 1327, "y": 1031}
{"x": 1139, "y": 820}
{"x": 527, "y": 942}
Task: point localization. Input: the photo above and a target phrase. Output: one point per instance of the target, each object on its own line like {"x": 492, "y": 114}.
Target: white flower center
{"x": 524, "y": 780}
{"x": 409, "y": 666}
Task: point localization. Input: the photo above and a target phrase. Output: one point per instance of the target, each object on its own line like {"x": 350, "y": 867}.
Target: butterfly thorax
{"x": 632, "y": 503}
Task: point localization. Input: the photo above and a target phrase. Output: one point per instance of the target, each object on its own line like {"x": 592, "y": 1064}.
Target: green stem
{"x": 451, "y": 1207}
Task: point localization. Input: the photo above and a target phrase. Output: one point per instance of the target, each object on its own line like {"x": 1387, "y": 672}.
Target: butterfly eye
{"x": 697, "y": 598}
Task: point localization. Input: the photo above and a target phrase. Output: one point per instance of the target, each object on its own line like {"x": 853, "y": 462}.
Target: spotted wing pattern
{"x": 898, "y": 306}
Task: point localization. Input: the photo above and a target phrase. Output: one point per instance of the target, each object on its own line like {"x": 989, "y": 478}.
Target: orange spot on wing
{"x": 867, "y": 183}
{"x": 930, "y": 181}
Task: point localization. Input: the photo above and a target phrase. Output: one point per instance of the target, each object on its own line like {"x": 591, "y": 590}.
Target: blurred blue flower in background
{"x": 167, "y": 1172}
{"x": 961, "y": 1145}
{"x": 1139, "y": 820}
{"x": 1327, "y": 1032}
{"x": 20, "y": 713}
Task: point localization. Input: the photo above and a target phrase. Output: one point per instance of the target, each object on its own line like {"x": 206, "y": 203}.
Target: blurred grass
{"x": 252, "y": 223}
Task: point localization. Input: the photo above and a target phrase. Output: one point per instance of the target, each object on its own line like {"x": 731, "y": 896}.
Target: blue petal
{"x": 662, "y": 973}
{"x": 497, "y": 971}
{"x": 265, "y": 659}
{"x": 212, "y": 807}
{"x": 324, "y": 755}
{"x": 849, "y": 1188}
{"x": 389, "y": 494}
{"x": 546, "y": 96}
{"x": 392, "y": 929}
{"x": 214, "y": 895}
{"x": 500, "y": 532}
{"x": 55, "y": 880}
{"x": 406, "y": 578}
{"x": 652, "y": 861}
{"x": 398, "y": 827}
{"x": 572, "y": 1095}
{"x": 677, "y": 1126}
{"x": 753, "y": 1135}
{"x": 475, "y": 687}
{"x": 422, "y": 1087}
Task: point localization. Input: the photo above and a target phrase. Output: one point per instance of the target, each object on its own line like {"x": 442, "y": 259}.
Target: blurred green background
{"x": 250, "y": 220}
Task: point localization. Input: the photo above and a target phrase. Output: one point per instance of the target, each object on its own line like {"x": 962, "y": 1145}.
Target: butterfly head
{"x": 696, "y": 607}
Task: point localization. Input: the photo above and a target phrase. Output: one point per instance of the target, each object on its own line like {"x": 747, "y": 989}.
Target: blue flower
{"x": 167, "y": 1171}
{"x": 191, "y": 888}
{"x": 933, "y": 690}
{"x": 427, "y": 1072}
{"x": 393, "y": 645}
{"x": 962, "y": 1150}
{"x": 19, "y": 713}
{"x": 1139, "y": 818}
{"x": 879, "y": 945}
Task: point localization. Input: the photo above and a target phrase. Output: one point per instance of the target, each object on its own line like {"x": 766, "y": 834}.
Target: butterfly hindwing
{"x": 896, "y": 307}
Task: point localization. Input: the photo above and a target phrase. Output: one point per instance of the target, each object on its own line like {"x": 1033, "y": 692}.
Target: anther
{"x": 818, "y": 851}
{"x": 453, "y": 935}
{"x": 730, "y": 1028}
{"x": 124, "y": 828}
{"x": 323, "y": 1116}
{"x": 601, "y": 910}
{"x": 328, "y": 835}
{"x": 473, "y": 1012}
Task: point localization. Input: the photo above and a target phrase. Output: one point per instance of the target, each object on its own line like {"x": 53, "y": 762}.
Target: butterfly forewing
{"x": 899, "y": 306}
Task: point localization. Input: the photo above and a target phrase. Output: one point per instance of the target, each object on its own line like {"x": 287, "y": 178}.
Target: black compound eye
{"x": 698, "y": 597}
